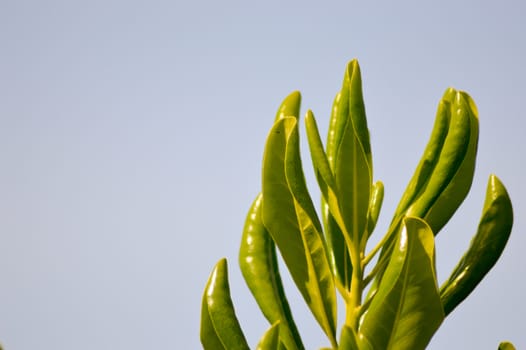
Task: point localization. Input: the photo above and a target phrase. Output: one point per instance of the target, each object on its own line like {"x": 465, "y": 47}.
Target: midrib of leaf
{"x": 291, "y": 219}
{"x": 402, "y": 294}
{"x": 396, "y": 311}
{"x": 318, "y": 275}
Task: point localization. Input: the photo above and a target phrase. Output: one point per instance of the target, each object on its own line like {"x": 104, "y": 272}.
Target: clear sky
{"x": 131, "y": 136}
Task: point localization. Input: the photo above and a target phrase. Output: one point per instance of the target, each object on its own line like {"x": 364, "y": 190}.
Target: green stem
{"x": 355, "y": 300}
{"x": 379, "y": 245}
{"x": 379, "y": 265}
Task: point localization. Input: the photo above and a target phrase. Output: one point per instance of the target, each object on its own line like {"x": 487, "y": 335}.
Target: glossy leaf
{"x": 340, "y": 259}
{"x": 290, "y": 218}
{"x": 429, "y": 158}
{"x": 259, "y": 266}
{"x": 333, "y": 221}
{"x": 445, "y": 172}
{"x": 375, "y": 204}
{"x": 348, "y": 339}
{"x": 485, "y": 248}
{"x": 352, "y": 156}
{"x": 452, "y": 176}
{"x": 220, "y": 328}
{"x": 320, "y": 162}
{"x": 208, "y": 335}
{"x": 451, "y": 194}
{"x": 406, "y": 310}
{"x": 418, "y": 183}
{"x": 270, "y": 340}
{"x": 337, "y": 246}
{"x": 290, "y": 106}
{"x": 505, "y": 345}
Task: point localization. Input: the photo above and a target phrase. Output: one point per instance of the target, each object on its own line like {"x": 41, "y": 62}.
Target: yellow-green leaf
{"x": 443, "y": 187}
{"x": 485, "y": 248}
{"x": 290, "y": 217}
{"x": 406, "y": 310}
{"x": 335, "y": 240}
{"x": 351, "y": 154}
{"x": 290, "y": 106}
{"x": 505, "y": 345}
{"x": 259, "y": 266}
{"x": 220, "y": 328}
{"x": 270, "y": 340}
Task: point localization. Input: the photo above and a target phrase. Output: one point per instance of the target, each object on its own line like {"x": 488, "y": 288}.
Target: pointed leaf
{"x": 418, "y": 182}
{"x": 429, "y": 158}
{"x": 320, "y": 162}
{"x": 445, "y": 173}
{"x": 337, "y": 248}
{"x": 352, "y": 156}
{"x": 375, "y": 204}
{"x": 457, "y": 188}
{"x": 406, "y": 310}
{"x": 270, "y": 340}
{"x": 452, "y": 176}
{"x": 290, "y": 218}
{"x": 485, "y": 248}
{"x": 220, "y": 328}
{"x": 208, "y": 335}
{"x": 259, "y": 266}
{"x": 290, "y": 107}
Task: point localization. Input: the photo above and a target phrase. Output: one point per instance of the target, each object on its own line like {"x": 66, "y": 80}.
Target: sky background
{"x": 131, "y": 139}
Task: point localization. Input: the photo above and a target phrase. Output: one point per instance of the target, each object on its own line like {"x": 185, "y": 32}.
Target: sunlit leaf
{"x": 332, "y": 217}
{"x": 290, "y": 217}
{"x": 220, "y": 328}
{"x": 352, "y": 161}
{"x": 259, "y": 266}
{"x": 270, "y": 340}
{"x": 406, "y": 310}
{"x": 505, "y": 345}
{"x": 485, "y": 248}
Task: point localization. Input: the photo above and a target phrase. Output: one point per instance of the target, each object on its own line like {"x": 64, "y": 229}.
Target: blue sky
{"x": 131, "y": 136}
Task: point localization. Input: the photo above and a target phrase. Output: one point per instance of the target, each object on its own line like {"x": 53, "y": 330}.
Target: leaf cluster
{"x": 390, "y": 291}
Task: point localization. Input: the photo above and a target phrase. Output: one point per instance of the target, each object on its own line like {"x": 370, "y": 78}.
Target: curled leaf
{"x": 270, "y": 340}
{"x": 485, "y": 248}
{"x": 259, "y": 266}
{"x": 289, "y": 216}
{"x": 406, "y": 311}
{"x": 220, "y": 328}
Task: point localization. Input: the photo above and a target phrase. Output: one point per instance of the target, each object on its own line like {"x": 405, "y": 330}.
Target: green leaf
{"x": 375, "y": 205}
{"x": 505, "y": 345}
{"x": 406, "y": 310}
{"x": 445, "y": 172}
{"x": 320, "y": 162}
{"x": 429, "y": 158}
{"x": 337, "y": 247}
{"x": 456, "y": 189}
{"x": 220, "y": 328}
{"x": 451, "y": 178}
{"x": 348, "y": 339}
{"x": 290, "y": 217}
{"x": 290, "y": 107}
{"x": 351, "y": 154}
{"x": 208, "y": 335}
{"x": 349, "y": 106}
{"x": 259, "y": 266}
{"x": 270, "y": 340}
{"x": 485, "y": 248}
